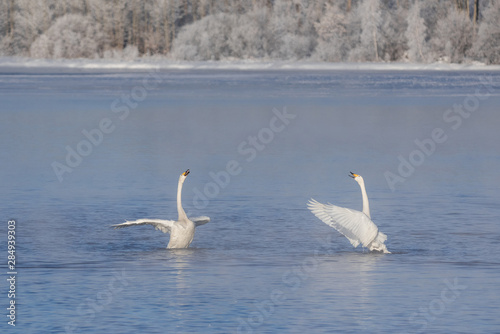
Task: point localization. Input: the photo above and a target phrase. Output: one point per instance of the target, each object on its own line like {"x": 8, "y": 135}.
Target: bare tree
{"x": 168, "y": 22}
{"x": 371, "y": 19}
{"x": 71, "y": 36}
{"x": 6, "y": 17}
{"x": 117, "y": 19}
{"x": 416, "y": 33}
{"x": 487, "y": 46}
{"x": 331, "y": 30}
{"x": 392, "y": 43}
{"x": 453, "y": 36}
{"x": 31, "y": 20}
{"x": 475, "y": 14}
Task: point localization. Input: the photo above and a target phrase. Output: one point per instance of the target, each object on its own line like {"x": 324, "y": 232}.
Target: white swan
{"x": 354, "y": 225}
{"x": 182, "y": 230}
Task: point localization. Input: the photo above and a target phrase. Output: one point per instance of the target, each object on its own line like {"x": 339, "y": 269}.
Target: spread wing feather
{"x": 354, "y": 225}
{"x": 160, "y": 224}
{"x": 200, "y": 220}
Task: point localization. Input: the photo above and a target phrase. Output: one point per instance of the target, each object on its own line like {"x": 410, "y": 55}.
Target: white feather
{"x": 182, "y": 230}
{"x": 356, "y": 226}
{"x": 352, "y": 224}
{"x": 200, "y": 220}
{"x": 160, "y": 224}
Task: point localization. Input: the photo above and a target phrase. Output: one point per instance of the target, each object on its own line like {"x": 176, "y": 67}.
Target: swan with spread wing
{"x": 182, "y": 230}
{"x": 356, "y": 226}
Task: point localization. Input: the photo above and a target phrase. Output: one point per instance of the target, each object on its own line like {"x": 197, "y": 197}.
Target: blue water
{"x": 259, "y": 144}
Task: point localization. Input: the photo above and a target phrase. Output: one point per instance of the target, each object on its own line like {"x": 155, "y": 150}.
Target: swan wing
{"x": 200, "y": 220}
{"x": 160, "y": 224}
{"x": 354, "y": 225}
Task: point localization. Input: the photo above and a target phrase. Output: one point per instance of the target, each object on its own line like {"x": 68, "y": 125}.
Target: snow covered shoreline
{"x": 11, "y": 63}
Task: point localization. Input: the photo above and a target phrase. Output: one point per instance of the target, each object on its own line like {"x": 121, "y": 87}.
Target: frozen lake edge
{"x": 9, "y": 63}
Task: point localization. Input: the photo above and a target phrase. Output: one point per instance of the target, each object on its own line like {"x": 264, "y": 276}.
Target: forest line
{"x": 420, "y": 31}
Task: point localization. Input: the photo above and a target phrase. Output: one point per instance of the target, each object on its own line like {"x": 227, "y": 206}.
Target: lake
{"x": 83, "y": 149}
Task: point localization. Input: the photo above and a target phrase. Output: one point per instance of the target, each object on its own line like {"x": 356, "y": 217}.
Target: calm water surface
{"x": 259, "y": 144}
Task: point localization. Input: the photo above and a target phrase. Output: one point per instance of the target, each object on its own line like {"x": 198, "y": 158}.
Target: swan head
{"x": 184, "y": 175}
{"x": 358, "y": 178}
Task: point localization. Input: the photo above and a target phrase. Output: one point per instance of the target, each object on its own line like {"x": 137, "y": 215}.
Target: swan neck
{"x": 180, "y": 210}
{"x": 366, "y": 205}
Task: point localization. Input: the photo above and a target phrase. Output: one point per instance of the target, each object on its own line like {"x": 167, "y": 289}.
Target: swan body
{"x": 356, "y": 226}
{"x": 182, "y": 230}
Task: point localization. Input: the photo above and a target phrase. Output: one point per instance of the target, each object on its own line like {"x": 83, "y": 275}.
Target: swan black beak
{"x": 186, "y": 173}
{"x": 353, "y": 175}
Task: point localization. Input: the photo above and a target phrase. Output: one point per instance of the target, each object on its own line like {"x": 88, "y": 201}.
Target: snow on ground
{"x": 10, "y": 63}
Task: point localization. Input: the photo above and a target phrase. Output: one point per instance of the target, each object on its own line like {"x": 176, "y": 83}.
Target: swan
{"x": 182, "y": 230}
{"x": 356, "y": 226}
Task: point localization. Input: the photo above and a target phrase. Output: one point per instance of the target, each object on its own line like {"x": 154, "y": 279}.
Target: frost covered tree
{"x": 453, "y": 36}
{"x": 206, "y": 39}
{"x": 392, "y": 41}
{"x": 361, "y": 30}
{"x": 71, "y": 36}
{"x": 160, "y": 27}
{"x": 248, "y": 38}
{"x": 31, "y": 18}
{"x": 291, "y": 34}
{"x": 225, "y": 36}
{"x": 371, "y": 18}
{"x": 332, "y": 30}
{"x": 112, "y": 17}
{"x": 487, "y": 45}
{"x": 168, "y": 24}
{"x": 416, "y": 33}
{"x": 6, "y": 26}
{"x": 282, "y": 32}
{"x": 433, "y": 12}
